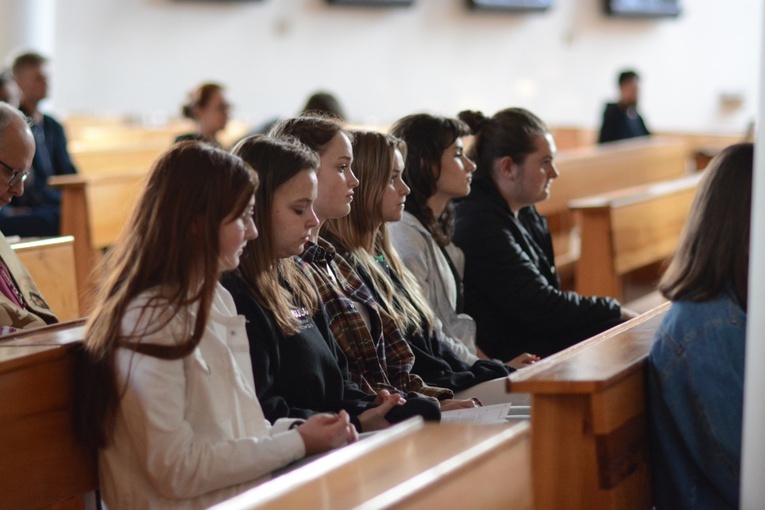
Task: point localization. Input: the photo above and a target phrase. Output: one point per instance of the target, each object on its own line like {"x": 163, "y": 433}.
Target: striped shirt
{"x": 377, "y": 359}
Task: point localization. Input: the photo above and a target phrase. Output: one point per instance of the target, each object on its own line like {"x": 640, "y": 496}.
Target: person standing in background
{"x": 37, "y": 212}
{"x": 621, "y": 120}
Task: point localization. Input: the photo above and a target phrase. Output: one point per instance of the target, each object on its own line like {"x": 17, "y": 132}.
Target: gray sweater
{"x": 422, "y": 256}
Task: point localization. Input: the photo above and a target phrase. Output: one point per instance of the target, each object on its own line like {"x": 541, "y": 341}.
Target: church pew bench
{"x": 588, "y": 420}
{"x": 95, "y": 210}
{"x": 51, "y": 263}
{"x": 412, "y": 465}
{"x": 629, "y": 229}
{"x": 43, "y": 465}
{"x": 600, "y": 169}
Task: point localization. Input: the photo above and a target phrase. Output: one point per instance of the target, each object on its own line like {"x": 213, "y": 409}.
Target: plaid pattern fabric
{"x": 380, "y": 359}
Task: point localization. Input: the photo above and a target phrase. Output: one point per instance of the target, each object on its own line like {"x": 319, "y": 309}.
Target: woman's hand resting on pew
{"x": 522, "y": 361}
{"x": 374, "y": 419}
{"x": 451, "y": 404}
{"x": 325, "y": 431}
{"x": 628, "y": 314}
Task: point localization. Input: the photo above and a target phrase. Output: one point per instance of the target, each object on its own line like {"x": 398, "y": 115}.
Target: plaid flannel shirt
{"x": 380, "y": 359}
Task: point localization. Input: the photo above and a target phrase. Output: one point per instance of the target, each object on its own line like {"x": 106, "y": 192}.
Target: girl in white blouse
{"x": 167, "y": 392}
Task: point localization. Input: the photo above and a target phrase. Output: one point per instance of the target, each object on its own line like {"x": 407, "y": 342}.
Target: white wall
{"x": 142, "y": 56}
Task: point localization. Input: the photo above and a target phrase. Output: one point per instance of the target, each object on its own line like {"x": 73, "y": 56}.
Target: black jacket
{"x": 306, "y": 373}
{"x": 512, "y": 289}
{"x": 618, "y": 125}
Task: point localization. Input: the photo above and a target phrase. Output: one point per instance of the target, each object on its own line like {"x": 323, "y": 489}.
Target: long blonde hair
{"x": 171, "y": 243}
{"x": 277, "y": 284}
{"x": 365, "y": 235}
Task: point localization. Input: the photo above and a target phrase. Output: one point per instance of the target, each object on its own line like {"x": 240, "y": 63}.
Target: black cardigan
{"x": 306, "y": 373}
{"x": 512, "y": 289}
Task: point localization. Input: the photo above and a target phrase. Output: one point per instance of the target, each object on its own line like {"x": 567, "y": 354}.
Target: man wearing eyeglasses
{"x": 38, "y": 212}
{"x": 21, "y": 305}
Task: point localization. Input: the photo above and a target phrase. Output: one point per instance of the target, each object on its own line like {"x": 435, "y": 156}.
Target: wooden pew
{"x": 629, "y": 229}
{"x": 409, "y": 466}
{"x": 43, "y": 465}
{"x": 51, "y": 263}
{"x": 94, "y": 210}
{"x": 604, "y": 168}
{"x": 588, "y": 419}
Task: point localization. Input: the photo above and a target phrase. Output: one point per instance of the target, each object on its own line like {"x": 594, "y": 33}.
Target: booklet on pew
{"x": 498, "y": 413}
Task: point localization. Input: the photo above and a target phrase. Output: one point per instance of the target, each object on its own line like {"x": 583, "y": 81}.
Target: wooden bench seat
{"x": 588, "y": 419}
{"x": 411, "y": 465}
{"x": 95, "y": 210}
{"x": 51, "y": 262}
{"x": 601, "y": 169}
{"x": 628, "y": 229}
{"x": 43, "y": 465}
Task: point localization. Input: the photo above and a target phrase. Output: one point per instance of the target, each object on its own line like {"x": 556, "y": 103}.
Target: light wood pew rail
{"x": 410, "y": 465}
{"x": 588, "y": 420}
{"x": 94, "y": 210}
{"x": 97, "y": 162}
{"x": 43, "y": 465}
{"x": 51, "y": 263}
{"x": 629, "y": 229}
{"x": 603, "y": 168}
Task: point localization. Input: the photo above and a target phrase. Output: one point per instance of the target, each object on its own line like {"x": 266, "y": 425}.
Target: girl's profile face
{"x": 456, "y": 172}
{"x": 234, "y": 233}
{"x": 535, "y": 175}
{"x": 396, "y": 190}
{"x": 292, "y": 213}
{"x": 335, "y": 179}
{"x": 214, "y": 115}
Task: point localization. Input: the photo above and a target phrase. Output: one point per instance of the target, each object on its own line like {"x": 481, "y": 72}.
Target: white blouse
{"x": 190, "y": 432}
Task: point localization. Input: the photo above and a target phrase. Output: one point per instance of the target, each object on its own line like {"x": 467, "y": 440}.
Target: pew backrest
{"x": 42, "y": 464}
{"x": 629, "y": 229}
{"x": 51, "y": 262}
{"x": 589, "y": 423}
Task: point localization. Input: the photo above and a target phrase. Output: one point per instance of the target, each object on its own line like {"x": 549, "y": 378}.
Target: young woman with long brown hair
{"x": 696, "y": 365}
{"x": 299, "y": 368}
{"x": 166, "y": 385}
{"x": 378, "y": 355}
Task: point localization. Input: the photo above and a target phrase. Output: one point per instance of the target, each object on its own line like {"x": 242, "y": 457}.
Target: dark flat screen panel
{"x": 373, "y": 3}
{"x": 643, "y": 8}
{"x": 510, "y": 5}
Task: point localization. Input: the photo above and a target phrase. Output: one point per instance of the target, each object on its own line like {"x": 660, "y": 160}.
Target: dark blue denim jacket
{"x": 695, "y": 385}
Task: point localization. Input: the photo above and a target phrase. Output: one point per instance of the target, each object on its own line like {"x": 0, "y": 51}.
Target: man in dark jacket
{"x": 37, "y": 212}
{"x": 621, "y": 120}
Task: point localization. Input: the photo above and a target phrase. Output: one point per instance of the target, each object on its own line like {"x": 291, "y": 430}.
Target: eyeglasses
{"x": 15, "y": 176}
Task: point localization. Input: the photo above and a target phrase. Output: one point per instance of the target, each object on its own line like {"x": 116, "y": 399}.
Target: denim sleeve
{"x": 701, "y": 383}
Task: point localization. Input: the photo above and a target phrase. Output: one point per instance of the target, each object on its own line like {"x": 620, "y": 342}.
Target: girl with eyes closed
{"x": 299, "y": 369}
{"x": 378, "y": 355}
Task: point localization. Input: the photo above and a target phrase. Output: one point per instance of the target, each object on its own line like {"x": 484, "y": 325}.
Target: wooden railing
{"x": 409, "y": 466}
{"x": 588, "y": 419}
{"x": 627, "y": 230}
{"x": 51, "y": 263}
